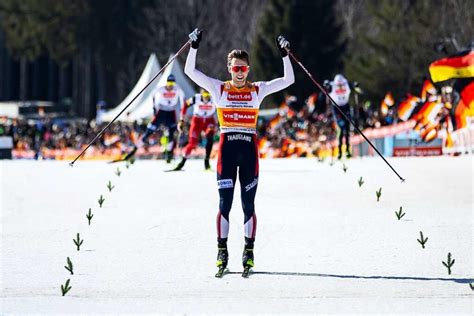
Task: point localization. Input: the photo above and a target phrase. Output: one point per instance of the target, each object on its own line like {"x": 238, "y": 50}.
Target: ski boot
{"x": 180, "y": 165}
{"x": 348, "y": 154}
{"x": 247, "y": 256}
{"x": 207, "y": 165}
{"x": 222, "y": 256}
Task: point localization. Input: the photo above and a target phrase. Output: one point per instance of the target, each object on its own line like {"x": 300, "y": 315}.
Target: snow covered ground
{"x": 323, "y": 245}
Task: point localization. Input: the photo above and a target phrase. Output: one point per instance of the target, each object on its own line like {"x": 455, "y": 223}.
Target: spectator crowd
{"x": 301, "y": 128}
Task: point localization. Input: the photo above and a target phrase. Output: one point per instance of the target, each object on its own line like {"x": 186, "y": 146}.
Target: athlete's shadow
{"x": 372, "y": 277}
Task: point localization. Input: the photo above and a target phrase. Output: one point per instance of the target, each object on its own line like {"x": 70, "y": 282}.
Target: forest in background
{"x": 82, "y": 51}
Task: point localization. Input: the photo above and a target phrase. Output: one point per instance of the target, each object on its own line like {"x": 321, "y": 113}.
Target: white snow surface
{"x": 323, "y": 244}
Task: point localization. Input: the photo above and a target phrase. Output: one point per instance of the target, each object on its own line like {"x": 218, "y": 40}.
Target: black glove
{"x": 282, "y": 44}
{"x": 195, "y": 37}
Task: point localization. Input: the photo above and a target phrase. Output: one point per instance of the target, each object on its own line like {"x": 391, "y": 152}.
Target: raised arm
{"x": 269, "y": 87}
{"x": 210, "y": 84}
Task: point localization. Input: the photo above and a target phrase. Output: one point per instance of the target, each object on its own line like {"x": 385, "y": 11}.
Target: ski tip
{"x": 116, "y": 160}
{"x": 173, "y": 170}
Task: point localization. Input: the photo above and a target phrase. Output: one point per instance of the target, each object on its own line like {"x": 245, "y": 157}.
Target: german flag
{"x": 407, "y": 106}
{"x": 387, "y": 102}
{"x": 464, "y": 109}
{"x": 427, "y": 113}
{"x": 460, "y": 65}
{"x": 428, "y": 88}
{"x": 262, "y": 147}
{"x": 275, "y": 121}
{"x": 429, "y": 132}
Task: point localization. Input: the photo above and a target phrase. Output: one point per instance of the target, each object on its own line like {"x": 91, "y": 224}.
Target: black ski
{"x": 173, "y": 170}
{"x": 117, "y": 160}
{"x": 246, "y": 272}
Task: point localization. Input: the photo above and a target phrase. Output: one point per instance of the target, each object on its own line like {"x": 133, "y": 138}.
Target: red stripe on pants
{"x": 218, "y": 222}
{"x": 254, "y": 228}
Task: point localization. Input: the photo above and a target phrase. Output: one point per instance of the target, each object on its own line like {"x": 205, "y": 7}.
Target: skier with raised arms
{"x": 237, "y": 101}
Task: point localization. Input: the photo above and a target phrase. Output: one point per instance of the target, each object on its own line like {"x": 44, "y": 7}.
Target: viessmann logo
{"x": 241, "y": 117}
{"x": 239, "y": 96}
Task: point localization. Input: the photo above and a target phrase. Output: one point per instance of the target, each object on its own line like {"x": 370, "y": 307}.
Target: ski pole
{"x": 141, "y": 91}
{"x": 341, "y": 112}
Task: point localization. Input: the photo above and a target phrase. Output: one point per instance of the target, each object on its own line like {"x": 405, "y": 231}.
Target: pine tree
{"x": 315, "y": 38}
{"x": 35, "y": 27}
{"x": 95, "y": 35}
{"x": 393, "y": 51}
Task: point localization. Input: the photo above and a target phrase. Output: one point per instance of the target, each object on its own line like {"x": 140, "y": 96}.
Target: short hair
{"x": 239, "y": 54}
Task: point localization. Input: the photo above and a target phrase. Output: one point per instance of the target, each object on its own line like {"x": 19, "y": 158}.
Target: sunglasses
{"x": 205, "y": 95}
{"x": 170, "y": 83}
{"x": 242, "y": 68}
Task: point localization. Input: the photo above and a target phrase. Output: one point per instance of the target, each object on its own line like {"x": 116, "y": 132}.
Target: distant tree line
{"x": 391, "y": 43}
{"x": 81, "y": 51}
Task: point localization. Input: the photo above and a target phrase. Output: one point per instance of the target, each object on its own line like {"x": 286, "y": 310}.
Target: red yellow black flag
{"x": 460, "y": 65}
